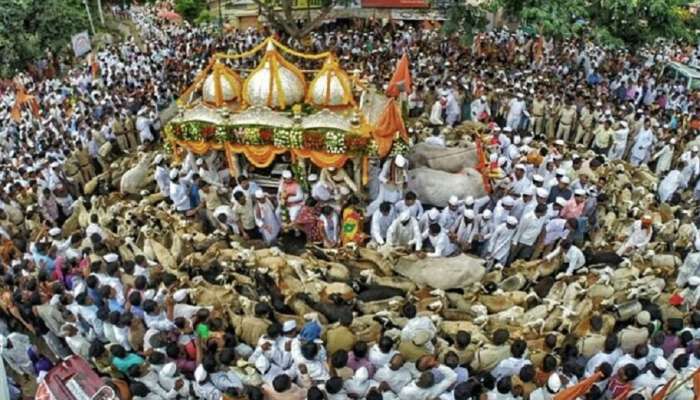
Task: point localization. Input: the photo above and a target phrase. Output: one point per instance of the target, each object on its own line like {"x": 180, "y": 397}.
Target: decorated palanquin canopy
{"x": 273, "y": 111}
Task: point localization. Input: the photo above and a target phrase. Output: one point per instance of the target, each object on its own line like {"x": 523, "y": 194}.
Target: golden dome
{"x": 223, "y": 85}
{"x": 275, "y": 83}
{"x": 331, "y": 86}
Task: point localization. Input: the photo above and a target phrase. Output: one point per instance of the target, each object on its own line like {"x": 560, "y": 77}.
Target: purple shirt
{"x": 357, "y": 363}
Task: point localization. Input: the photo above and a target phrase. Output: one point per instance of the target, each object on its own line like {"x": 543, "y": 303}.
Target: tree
{"x": 190, "y": 9}
{"x": 30, "y": 27}
{"x": 632, "y": 22}
{"x": 280, "y": 13}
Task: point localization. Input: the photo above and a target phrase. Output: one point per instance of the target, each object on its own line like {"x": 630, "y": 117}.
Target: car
{"x": 689, "y": 75}
{"x": 73, "y": 379}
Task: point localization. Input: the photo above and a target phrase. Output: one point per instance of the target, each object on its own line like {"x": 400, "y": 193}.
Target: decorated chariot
{"x": 280, "y": 113}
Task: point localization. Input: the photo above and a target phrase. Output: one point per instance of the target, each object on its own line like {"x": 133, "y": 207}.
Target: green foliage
{"x": 30, "y": 27}
{"x": 204, "y": 17}
{"x": 465, "y": 20}
{"x": 613, "y": 22}
{"x": 190, "y": 9}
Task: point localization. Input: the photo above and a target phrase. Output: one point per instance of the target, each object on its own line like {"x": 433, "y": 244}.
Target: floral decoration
{"x": 335, "y": 142}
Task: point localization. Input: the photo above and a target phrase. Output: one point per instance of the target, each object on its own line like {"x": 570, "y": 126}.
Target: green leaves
{"x": 190, "y": 9}
{"x": 29, "y": 27}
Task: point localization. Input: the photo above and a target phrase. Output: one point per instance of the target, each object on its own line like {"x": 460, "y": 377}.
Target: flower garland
{"x": 399, "y": 147}
{"x": 331, "y": 141}
{"x": 335, "y": 142}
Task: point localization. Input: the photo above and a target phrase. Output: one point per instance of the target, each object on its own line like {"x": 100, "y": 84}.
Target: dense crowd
{"x": 562, "y": 121}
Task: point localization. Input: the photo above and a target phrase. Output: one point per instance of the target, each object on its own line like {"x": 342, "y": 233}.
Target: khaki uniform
{"x": 631, "y": 337}
{"x": 72, "y": 170}
{"x": 249, "y": 329}
{"x": 584, "y": 129}
{"x": 566, "y": 120}
{"x": 487, "y": 357}
{"x": 86, "y": 167}
{"x": 538, "y": 109}
{"x": 104, "y": 155}
{"x": 602, "y": 138}
{"x": 339, "y": 338}
{"x": 552, "y": 116}
{"x": 120, "y": 133}
{"x": 466, "y": 355}
{"x": 130, "y": 131}
{"x": 591, "y": 344}
{"x": 411, "y": 353}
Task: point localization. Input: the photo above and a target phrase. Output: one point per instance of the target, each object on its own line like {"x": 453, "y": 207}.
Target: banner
{"x": 81, "y": 44}
{"x": 396, "y": 3}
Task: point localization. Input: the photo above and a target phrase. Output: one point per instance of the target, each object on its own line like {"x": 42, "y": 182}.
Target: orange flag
{"x": 401, "y": 80}
{"x": 390, "y": 123}
{"x": 22, "y": 99}
{"x": 696, "y": 384}
{"x": 662, "y": 393}
{"x": 579, "y": 389}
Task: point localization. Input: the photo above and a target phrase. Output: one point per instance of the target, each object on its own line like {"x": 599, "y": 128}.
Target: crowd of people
{"x": 560, "y": 121}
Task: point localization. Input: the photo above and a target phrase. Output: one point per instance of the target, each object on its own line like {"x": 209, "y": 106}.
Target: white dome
{"x": 228, "y": 92}
{"x": 280, "y": 90}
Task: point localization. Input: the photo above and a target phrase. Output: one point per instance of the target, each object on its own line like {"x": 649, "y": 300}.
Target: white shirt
{"x": 528, "y": 229}
{"x": 499, "y": 243}
{"x": 179, "y": 196}
{"x": 574, "y": 257}
{"x": 396, "y": 380}
{"x": 380, "y": 225}
{"x": 509, "y": 367}
{"x": 400, "y": 235}
{"x": 413, "y": 392}
{"x": 442, "y": 245}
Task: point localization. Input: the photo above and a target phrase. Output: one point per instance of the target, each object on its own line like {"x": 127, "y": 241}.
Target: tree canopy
{"x": 616, "y": 22}
{"x": 30, "y": 27}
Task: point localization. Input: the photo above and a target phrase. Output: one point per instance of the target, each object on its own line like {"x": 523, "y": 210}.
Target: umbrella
{"x": 169, "y": 15}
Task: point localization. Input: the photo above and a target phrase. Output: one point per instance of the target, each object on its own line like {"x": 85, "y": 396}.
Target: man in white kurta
{"x": 498, "y": 247}
{"x": 266, "y": 218}
{"x": 404, "y": 232}
{"x": 381, "y": 221}
{"x": 672, "y": 182}
{"x": 639, "y": 236}
{"x": 516, "y": 108}
{"x": 643, "y": 143}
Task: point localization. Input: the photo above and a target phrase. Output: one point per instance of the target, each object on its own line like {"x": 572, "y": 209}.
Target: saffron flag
{"x": 401, "y": 80}
{"x": 389, "y": 126}
{"x": 662, "y": 393}
{"x": 579, "y": 389}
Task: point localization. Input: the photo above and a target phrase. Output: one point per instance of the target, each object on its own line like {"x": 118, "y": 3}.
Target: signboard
{"x": 81, "y": 44}
{"x": 418, "y": 15}
{"x": 396, "y": 3}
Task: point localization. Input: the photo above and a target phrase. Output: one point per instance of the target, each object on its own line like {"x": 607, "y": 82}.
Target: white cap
{"x": 111, "y": 257}
{"x": 516, "y": 139}
{"x": 312, "y": 178}
{"x": 694, "y": 148}
{"x": 512, "y": 220}
{"x": 259, "y": 194}
{"x": 400, "y": 161}
{"x": 660, "y": 363}
{"x": 559, "y": 142}
{"x": 469, "y": 213}
{"x": 694, "y": 280}
{"x": 542, "y": 192}
{"x": 287, "y": 174}
{"x": 673, "y": 141}
{"x": 537, "y": 178}
{"x": 453, "y": 201}
{"x": 469, "y": 201}
{"x": 173, "y": 174}
{"x": 199, "y": 162}
{"x": 433, "y": 213}
{"x": 149, "y": 294}
{"x": 520, "y": 166}
{"x": 565, "y": 179}
{"x": 404, "y": 216}
{"x": 289, "y": 326}
{"x": 528, "y": 191}
{"x": 54, "y": 231}
{"x": 507, "y": 129}
{"x": 508, "y": 201}
{"x": 560, "y": 171}
{"x": 486, "y": 214}
{"x": 200, "y": 374}
{"x": 521, "y": 95}
{"x": 561, "y": 201}
{"x": 554, "y": 382}
{"x": 158, "y": 159}
{"x": 579, "y": 192}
